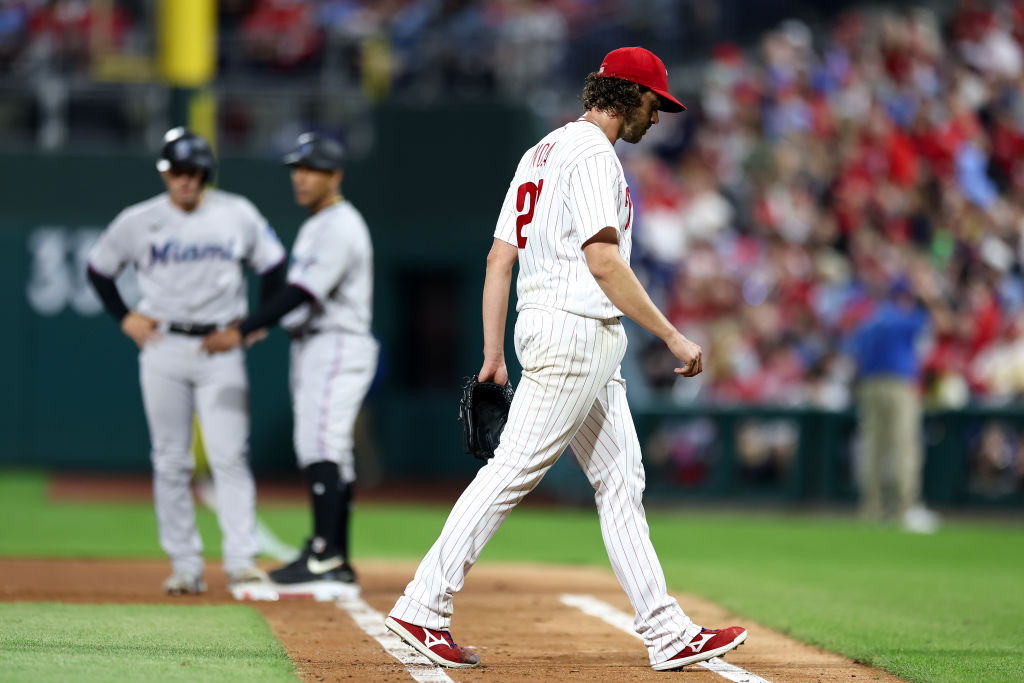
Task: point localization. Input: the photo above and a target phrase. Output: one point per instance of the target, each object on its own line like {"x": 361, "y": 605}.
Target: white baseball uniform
{"x": 333, "y": 353}
{"x": 570, "y": 342}
{"x": 190, "y": 273}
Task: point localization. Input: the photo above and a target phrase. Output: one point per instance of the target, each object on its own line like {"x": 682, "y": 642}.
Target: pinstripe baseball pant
{"x": 571, "y": 393}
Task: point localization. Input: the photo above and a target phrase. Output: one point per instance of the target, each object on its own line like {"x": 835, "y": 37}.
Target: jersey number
{"x": 525, "y": 218}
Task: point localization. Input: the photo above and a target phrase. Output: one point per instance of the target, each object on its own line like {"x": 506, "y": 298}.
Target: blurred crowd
{"x": 812, "y": 176}
{"x": 410, "y": 45}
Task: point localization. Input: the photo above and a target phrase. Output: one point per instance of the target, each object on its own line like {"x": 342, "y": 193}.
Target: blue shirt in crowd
{"x": 886, "y": 343}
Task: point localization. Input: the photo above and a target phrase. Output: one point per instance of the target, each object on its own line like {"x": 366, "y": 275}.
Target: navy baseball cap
{"x": 316, "y": 152}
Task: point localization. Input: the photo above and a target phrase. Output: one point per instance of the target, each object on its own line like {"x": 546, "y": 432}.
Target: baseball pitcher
{"x": 567, "y": 220}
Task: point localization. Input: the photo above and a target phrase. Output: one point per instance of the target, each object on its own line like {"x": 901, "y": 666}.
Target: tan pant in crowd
{"x": 889, "y": 420}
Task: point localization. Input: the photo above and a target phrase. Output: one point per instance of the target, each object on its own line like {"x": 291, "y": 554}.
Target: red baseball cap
{"x": 640, "y": 66}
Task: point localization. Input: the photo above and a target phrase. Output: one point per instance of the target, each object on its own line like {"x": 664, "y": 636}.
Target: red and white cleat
{"x": 437, "y": 646}
{"x": 705, "y": 645}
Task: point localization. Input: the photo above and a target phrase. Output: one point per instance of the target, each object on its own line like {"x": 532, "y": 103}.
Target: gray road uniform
{"x": 333, "y": 353}
{"x": 191, "y": 279}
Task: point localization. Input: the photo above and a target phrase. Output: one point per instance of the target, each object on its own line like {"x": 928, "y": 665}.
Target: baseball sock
{"x": 325, "y": 496}
{"x": 341, "y": 536}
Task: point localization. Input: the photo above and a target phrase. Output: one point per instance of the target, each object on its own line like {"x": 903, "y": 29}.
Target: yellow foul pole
{"x": 188, "y": 61}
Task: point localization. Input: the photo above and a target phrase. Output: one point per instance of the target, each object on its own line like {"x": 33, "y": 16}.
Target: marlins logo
{"x": 176, "y": 252}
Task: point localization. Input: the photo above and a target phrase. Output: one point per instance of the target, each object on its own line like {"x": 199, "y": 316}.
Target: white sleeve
{"x": 328, "y": 258}
{"x": 592, "y": 196}
{"x": 265, "y": 250}
{"x": 506, "y": 227}
{"x": 112, "y": 251}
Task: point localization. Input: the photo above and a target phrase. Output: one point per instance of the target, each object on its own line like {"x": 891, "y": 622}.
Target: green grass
{"x": 946, "y": 607}
{"x": 55, "y": 642}
{"x": 32, "y": 526}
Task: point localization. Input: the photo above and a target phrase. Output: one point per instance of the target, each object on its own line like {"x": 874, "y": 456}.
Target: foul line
{"x": 372, "y": 621}
{"x": 588, "y": 604}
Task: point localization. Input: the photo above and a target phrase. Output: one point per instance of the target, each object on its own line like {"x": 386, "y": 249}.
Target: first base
{"x": 321, "y": 591}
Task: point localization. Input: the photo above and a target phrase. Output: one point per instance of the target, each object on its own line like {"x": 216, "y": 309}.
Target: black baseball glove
{"x": 483, "y": 409}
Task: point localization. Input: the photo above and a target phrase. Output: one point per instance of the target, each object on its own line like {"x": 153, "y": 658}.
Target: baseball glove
{"x": 483, "y": 409}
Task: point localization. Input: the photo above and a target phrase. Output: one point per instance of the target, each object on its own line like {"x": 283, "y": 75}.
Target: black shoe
{"x": 345, "y": 573}
{"x": 294, "y": 567}
{"x": 312, "y": 566}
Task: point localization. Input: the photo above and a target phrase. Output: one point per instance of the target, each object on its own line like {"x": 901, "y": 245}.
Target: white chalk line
{"x": 590, "y": 605}
{"x": 372, "y": 621}
{"x": 422, "y": 669}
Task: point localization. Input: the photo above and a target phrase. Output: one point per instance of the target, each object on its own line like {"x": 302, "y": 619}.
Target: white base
{"x": 321, "y": 591}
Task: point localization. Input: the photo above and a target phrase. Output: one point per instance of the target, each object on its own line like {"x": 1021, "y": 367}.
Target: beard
{"x": 634, "y": 128}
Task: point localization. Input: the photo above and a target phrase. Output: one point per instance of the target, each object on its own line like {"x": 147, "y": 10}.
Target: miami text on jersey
{"x": 175, "y": 252}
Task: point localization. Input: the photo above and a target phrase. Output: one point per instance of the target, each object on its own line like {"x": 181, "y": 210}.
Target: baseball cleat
{"x": 245, "y": 581}
{"x": 437, "y": 646}
{"x": 705, "y": 645}
{"x": 184, "y": 584}
{"x": 309, "y": 566}
{"x": 247, "y": 575}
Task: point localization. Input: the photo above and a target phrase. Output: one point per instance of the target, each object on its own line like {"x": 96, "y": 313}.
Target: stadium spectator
{"x": 282, "y": 35}
{"x": 14, "y": 18}
{"x": 64, "y": 33}
{"x": 889, "y": 406}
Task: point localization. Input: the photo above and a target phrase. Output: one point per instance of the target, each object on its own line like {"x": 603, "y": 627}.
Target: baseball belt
{"x": 192, "y": 329}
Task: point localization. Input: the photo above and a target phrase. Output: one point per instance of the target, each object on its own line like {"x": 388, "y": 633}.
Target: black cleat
{"x": 311, "y": 566}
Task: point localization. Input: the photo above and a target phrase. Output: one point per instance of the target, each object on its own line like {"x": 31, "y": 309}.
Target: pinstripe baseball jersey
{"x": 190, "y": 263}
{"x": 566, "y": 189}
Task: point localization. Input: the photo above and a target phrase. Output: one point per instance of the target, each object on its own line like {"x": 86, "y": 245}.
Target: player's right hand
{"x": 493, "y": 371}
{"x": 141, "y": 328}
{"x": 689, "y": 354}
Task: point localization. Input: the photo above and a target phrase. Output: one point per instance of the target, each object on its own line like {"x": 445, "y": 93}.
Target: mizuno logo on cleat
{"x": 430, "y": 640}
{"x": 323, "y": 566}
{"x": 696, "y": 646}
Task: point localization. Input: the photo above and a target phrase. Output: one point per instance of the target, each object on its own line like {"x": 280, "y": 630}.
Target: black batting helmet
{"x": 317, "y": 152}
{"x": 184, "y": 149}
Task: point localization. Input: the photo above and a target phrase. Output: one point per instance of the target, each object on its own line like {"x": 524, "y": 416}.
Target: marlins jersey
{"x": 189, "y": 263}
{"x": 567, "y": 188}
{"x": 332, "y": 260}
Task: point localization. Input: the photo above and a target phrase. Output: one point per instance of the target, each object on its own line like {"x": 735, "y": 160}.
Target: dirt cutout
{"x": 512, "y": 614}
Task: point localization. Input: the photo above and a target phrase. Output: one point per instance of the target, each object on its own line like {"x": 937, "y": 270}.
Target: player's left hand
{"x": 689, "y": 353}
{"x": 255, "y": 337}
{"x": 221, "y": 340}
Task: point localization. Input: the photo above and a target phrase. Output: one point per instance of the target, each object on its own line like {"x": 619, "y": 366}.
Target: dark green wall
{"x": 430, "y": 192}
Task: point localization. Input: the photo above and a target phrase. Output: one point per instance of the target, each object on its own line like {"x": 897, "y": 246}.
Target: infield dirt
{"x": 510, "y": 613}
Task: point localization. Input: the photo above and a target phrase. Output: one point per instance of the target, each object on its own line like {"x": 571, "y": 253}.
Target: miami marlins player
{"x": 326, "y": 309}
{"x": 188, "y": 245}
{"x": 567, "y": 219}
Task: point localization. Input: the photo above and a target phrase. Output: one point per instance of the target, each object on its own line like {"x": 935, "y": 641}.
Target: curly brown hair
{"x": 614, "y": 95}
